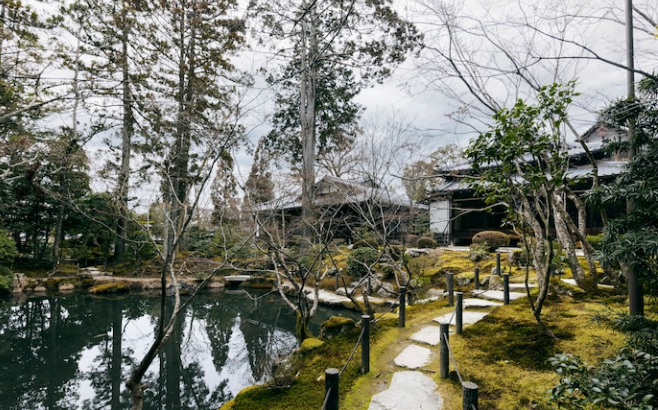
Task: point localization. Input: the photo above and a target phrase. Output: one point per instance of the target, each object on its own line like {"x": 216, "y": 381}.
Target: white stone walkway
{"x": 413, "y": 390}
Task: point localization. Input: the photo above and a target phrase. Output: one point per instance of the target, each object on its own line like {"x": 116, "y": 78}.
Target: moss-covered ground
{"x": 505, "y": 354}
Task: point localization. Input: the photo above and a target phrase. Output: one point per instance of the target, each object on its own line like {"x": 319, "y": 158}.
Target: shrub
{"x": 595, "y": 241}
{"x": 425, "y": 242}
{"x": 478, "y": 252}
{"x": 388, "y": 271}
{"x": 360, "y": 260}
{"x": 410, "y": 239}
{"x": 493, "y": 239}
{"x": 365, "y": 243}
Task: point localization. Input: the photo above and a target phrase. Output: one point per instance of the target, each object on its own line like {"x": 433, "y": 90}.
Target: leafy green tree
{"x": 7, "y": 254}
{"x": 631, "y": 240}
{"x": 522, "y": 164}
{"x": 330, "y": 51}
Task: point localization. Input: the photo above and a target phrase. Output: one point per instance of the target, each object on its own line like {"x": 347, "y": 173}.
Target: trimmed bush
{"x": 595, "y": 241}
{"x": 366, "y": 243}
{"x": 425, "y": 242}
{"x": 493, "y": 239}
{"x": 410, "y": 239}
{"x": 359, "y": 261}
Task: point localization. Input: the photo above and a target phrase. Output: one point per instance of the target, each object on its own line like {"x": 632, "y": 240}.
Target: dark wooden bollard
{"x": 331, "y": 389}
{"x": 403, "y": 303}
{"x": 365, "y": 344}
{"x": 469, "y": 396}
{"x": 498, "y": 263}
{"x": 476, "y": 278}
{"x": 459, "y": 313}
{"x": 450, "y": 281}
{"x": 506, "y": 289}
{"x": 444, "y": 350}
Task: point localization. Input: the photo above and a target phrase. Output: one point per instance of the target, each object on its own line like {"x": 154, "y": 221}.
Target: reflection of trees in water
{"x": 42, "y": 340}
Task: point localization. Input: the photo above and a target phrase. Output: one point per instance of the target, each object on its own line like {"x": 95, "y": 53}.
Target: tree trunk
{"x": 308, "y": 85}
{"x": 123, "y": 180}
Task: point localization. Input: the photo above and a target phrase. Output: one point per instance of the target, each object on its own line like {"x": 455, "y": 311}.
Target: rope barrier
{"x": 326, "y": 399}
{"x": 349, "y": 359}
{"x": 389, "y": 309}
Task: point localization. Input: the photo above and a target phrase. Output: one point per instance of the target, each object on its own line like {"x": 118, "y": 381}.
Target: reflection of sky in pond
{"x": 57, "y": 353}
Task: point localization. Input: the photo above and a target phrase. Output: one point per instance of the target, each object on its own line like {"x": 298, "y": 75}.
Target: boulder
{"x": 386, "y": 290}
{"x": 462, "y": 280}
{"x": 335, "y": 326}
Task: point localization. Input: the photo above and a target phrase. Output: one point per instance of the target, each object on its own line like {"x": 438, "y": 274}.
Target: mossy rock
{"x": 111, "y": 287}
{"x": 310, "y": 343}
{"x": 336, "y": 325}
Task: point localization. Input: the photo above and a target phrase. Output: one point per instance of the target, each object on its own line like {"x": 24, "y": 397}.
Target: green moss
{"x": 310, "y": 344}
{"x": 111, "y": 287}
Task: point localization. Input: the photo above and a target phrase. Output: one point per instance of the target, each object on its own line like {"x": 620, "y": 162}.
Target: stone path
{"x": 413, "y": 390}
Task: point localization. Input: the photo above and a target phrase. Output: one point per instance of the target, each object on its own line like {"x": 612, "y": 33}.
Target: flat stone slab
{"x": 414, "y": 357}
{"x": 474, "y": 302}
{"x": 497, "y": 294}
{"x": 573, "y": 282}
{"x": 409, "y": 390}
{"x": 521, "y": 285}
{"x": 428, "y": 334}
{"x": 468, "y": 318}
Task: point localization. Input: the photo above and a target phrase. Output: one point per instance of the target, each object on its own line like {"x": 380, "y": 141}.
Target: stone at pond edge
{"x": 310, "y": 344}
{"x": 112, "y": 287}
{"x": 335, "y": 326}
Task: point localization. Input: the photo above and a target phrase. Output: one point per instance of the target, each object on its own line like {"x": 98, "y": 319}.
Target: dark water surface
{"x": 75, "y": 351}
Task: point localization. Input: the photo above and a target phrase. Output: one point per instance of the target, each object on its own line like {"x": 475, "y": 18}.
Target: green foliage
{"x": 361, "y": 260}
{"x": 596, "y": 241}
{"x": 492, "y": 239}
{"x": 7, "y": 248}
{"x": 425, "y": 242}
{"x": 478, "y": 252}
{"x": 7, "y": 254}
{"x": 632, "y": 238}
{"x": 366, "y": 243}
{"x": 628, "y": 381}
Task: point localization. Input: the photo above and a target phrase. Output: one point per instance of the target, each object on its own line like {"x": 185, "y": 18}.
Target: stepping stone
{"x": 522, "y": 285}
{"x": 468, "y": 318}
{"x": 414, "y": 357}
{"x": 409, "y": 390}
{"x": 474, "y": 302}
{"x": 428, "y": 334}
{"x": 497, "y": 294}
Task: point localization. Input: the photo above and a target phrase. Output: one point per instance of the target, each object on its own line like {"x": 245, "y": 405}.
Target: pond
{"x": 76, "y": 351}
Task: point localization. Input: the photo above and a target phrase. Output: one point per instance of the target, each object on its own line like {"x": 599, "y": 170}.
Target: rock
{"x": 39, "y": 289}
{"x": 494, "y": 282}
{"x": 310, "y": 344}
{"x": 335, "y": 326}
{"x": 65, "y": 287}
{"x": 386, "y": 290}
{"x": 462, "y": 280}
{"x": 111, "y": 287}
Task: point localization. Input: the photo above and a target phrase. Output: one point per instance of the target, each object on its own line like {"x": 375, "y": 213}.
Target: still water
{"x": 75, "y": 351}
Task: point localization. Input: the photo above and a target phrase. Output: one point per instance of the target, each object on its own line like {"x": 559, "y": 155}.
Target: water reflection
{"x": 74, "y": 352}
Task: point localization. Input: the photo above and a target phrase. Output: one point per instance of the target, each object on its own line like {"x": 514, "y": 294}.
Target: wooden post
{"x": 365, "y": 344}
{"x": 444, "y": 352}
{"x": 469, "y": 396}
{"x": 497, "y": 263}
{"x": 477, "y": 278}
{"x": 403, "y": 303}
{"x": 506, "y": 289}
{"x": 450, "y": 281}
{"x": 459, "y": 312}
{"x": 331, "y": 389}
